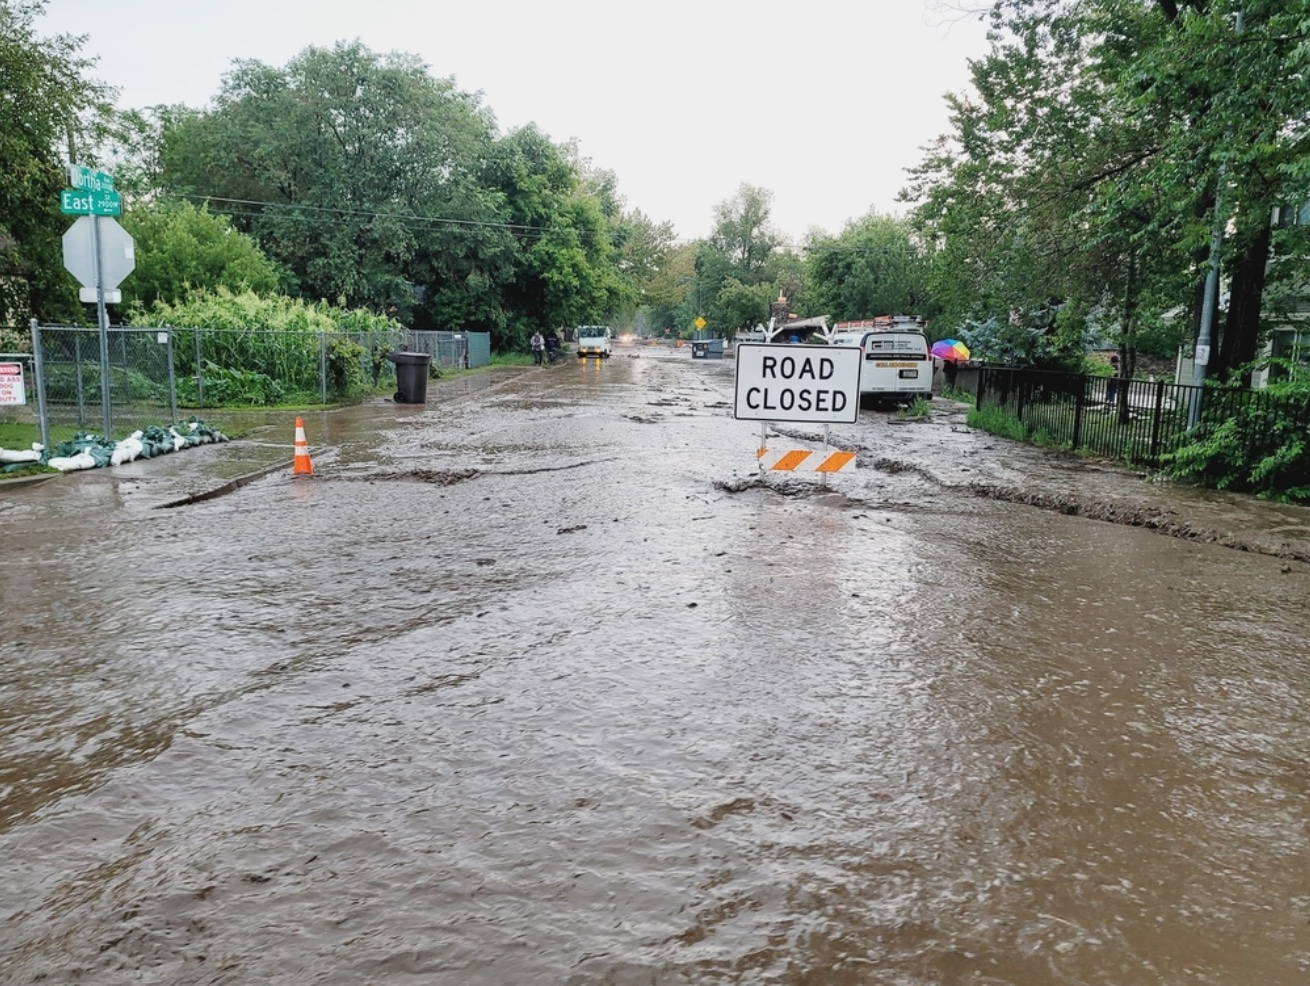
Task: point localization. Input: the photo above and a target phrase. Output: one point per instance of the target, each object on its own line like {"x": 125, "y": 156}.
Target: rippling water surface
{"x": 513, "y": 691}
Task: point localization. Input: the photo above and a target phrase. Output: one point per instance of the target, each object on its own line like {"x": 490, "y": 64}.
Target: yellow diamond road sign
{"x": 699, "y": 323}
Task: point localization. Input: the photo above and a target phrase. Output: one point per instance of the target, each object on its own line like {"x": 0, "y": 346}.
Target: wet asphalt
{"x": 543, "y": 682}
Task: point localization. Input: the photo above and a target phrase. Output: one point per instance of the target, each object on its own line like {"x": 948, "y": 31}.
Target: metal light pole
{"x": 1209, "y": 304}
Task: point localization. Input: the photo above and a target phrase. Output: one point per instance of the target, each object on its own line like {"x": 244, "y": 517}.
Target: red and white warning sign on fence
{"x": 11, "y": 384}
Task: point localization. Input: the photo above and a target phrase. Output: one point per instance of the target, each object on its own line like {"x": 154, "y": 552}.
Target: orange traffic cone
{"x": 303, "y": 467}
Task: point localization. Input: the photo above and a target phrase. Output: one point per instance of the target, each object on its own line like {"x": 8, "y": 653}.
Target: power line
{"x": 376, "y": 214}
{"x": 830, "y": 246}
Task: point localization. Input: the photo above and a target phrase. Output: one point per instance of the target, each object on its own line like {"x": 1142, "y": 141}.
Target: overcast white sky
{"x": 824, "y": 103}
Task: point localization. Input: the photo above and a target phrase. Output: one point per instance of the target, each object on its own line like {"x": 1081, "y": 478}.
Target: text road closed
{"x": 798, "y": 383}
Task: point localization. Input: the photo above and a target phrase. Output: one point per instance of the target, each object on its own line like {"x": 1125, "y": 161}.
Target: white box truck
{"x": 594, "y": 340}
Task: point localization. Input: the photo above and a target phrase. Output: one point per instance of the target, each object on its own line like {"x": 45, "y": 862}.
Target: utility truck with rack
{"x": 898, "y": 364}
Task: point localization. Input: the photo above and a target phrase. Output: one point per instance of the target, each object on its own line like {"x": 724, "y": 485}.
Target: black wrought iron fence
{"x": 1132, "y": 420}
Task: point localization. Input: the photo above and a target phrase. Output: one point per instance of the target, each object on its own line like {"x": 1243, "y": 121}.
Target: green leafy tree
{"x": 669, "y": 288}
{"x": 181, "y": 248}
{"x": 1086, "y": 166}
{"x": 735, "y": 268}
{"x": 643, "y": 250}
{"x": 874, "y": 267}
{"x": 561, "y": 271}
{"x": 740, "y": 306}
{"x": 744, "y": 234}
{"x": 377, "y": 184}
{"x": 358, "y": 171}
{"x": 48, "y": 106}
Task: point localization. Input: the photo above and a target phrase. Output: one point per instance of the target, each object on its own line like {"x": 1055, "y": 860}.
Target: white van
{"x": 897, "y": 366}
{"x": 594, "y": 340}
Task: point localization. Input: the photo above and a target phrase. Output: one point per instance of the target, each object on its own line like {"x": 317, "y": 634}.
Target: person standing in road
{"x": 538, "y": 347}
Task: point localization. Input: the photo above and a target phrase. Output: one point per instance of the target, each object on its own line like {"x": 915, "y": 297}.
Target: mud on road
{"x": 542, "y": 683}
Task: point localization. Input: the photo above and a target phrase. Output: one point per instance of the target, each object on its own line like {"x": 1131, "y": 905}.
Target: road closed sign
{"x": 782, "y": 382}
{"x": 11, "y": 384}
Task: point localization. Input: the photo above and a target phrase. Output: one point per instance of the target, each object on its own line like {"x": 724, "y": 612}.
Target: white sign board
{"x": 89, "y": 295}
{"x": 11, "y": 384}
{"x": 117, "y": 252}
{"x": 798, "y": 383}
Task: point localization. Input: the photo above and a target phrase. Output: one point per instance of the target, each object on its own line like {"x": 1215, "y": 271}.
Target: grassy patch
{"x": 917, "y": 411}
{"x": 31, "y": 469}
{"x": 994, "y": 421}
{"x": 22, "y": 436}
{"x": 997, "y": 422}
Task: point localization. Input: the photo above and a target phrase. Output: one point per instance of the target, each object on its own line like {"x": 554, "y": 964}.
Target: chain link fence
{"x": 154, "y": 374}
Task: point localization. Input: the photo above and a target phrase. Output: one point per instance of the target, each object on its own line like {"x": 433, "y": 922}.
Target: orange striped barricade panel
{"x": 805, "y": 460}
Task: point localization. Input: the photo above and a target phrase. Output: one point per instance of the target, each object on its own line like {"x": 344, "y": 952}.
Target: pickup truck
{"x": 594, "y": 340}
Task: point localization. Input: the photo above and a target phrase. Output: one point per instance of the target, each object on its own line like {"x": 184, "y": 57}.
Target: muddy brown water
{"x": 536, "y": 685}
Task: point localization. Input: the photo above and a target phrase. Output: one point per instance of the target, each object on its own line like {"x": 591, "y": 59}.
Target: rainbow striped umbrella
{"x": 950, "y": 349}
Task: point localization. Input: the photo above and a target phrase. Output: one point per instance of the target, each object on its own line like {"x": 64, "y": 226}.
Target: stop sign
{"x": 117, "y": 252}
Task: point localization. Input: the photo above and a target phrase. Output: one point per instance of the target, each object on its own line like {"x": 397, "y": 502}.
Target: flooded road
{"x": 536, "y": 685}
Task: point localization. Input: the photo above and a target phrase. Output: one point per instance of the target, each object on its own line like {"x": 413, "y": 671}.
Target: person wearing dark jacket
{"x": 1112, "y": 384}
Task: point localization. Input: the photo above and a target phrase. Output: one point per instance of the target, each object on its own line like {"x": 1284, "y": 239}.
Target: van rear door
{"x": 897, "y": 366}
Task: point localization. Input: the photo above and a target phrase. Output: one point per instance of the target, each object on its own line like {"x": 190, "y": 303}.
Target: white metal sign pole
{"x": 102, "y": 319}
{"x": 827, "y": 447}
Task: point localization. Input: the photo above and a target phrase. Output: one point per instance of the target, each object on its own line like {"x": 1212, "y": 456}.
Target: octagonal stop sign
{"x": 117, "y": 252}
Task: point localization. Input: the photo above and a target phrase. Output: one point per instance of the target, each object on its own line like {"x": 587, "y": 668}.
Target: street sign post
{"x": 75, "y": 203}
{"x": 88, "y": 180}
{"x": 99, "y": 253}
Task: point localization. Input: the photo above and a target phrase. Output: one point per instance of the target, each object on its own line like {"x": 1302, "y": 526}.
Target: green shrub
{"x": 1262, "y": 449}
{"x": 919, "y": 409}
{"x": 230, "y": 388}
{"x": 271, "y": 336}
{"x": 345, "y": 365}
{"x": 62, "y": 379}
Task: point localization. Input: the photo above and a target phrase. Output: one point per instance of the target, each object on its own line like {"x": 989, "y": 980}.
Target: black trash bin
{"x": 411, "y": 377}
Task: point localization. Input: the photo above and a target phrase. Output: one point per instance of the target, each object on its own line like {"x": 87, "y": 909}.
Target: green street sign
{"x": 87, "y": 180}
{"x": 75, "y": 203}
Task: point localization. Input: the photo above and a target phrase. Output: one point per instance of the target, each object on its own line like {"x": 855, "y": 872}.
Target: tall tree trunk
{"x": 1127, "y": 339}
{"x": 1242, "y": 326}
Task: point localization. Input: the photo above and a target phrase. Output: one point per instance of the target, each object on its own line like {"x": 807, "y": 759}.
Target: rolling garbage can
{"x": 707, "y": 349}
{"x": 411, "y": 377}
